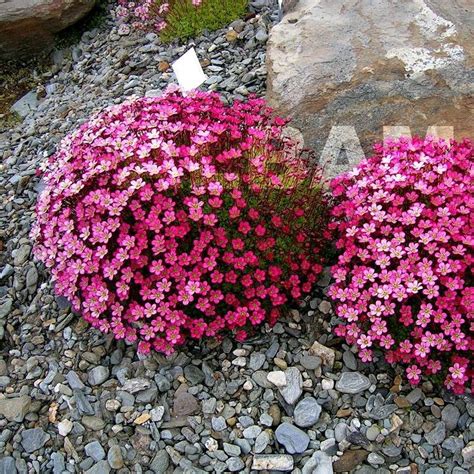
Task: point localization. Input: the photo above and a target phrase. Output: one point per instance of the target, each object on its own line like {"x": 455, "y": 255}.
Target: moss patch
{"x": 186, "y": 21}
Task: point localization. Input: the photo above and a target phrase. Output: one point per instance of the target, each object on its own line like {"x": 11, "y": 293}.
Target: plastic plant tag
{"x": 188, "y": 71}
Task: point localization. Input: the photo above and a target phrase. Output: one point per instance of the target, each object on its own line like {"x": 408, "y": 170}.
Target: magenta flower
{"x": 406, "y": 235}
{"x": 147, "y": 227}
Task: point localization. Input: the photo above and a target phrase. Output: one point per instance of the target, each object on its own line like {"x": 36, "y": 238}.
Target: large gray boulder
{"x": 366, "y": 64}
{"x": 27, "y": 26}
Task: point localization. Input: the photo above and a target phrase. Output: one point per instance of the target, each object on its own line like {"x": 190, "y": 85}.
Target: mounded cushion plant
{"x": 403, "y": 281}
{"x": 178, "y": 217}
{"x": 182, "y": 19}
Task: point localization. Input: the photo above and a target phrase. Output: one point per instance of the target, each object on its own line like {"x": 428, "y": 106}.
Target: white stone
{"x": 327, "y": 384}
{"x": 211, "y": 445}
{"x": 65, "y": 427}
{"x": 277, "y": 378}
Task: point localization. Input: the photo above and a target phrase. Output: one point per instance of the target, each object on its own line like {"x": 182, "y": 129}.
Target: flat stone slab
{"x": 365, "y": 65}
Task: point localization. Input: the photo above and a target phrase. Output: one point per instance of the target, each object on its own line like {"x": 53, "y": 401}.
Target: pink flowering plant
{"x": 403, "y": 282}
{"x": 181, "y": 19}
{"x": 178, "y": 217}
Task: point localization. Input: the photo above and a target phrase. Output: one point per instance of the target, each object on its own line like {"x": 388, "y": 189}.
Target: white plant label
{"x": 188, "y": 71}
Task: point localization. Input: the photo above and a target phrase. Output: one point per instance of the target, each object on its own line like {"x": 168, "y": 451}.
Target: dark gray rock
{"x": 450, "y": 415}
{"x": 34, "y": 439}
{"x": 437, "y": 434}
{"x": 160, "y": 463}
{"x": 194, "y": 374}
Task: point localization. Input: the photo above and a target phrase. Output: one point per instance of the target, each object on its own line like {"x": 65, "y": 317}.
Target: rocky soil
{"x": 291, "y": 399}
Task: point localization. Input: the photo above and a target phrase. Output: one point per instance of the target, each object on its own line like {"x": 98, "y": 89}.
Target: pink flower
{"x": 413, "y": 374}
{"x": 160, "y": 224}
{"x": 405, "y": 256}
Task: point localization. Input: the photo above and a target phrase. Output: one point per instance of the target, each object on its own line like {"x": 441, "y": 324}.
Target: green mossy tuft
{"x": 187, "y": 21}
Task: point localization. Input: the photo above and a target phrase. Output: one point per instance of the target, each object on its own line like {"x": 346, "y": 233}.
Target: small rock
{"x": 232, "y": 449}
{"x": 318, "y": 463}
{"x": 235, "y": 464}
{"x": 32, "y": 277}
{"x": 327, "y": 355}
{"x": 114, "y": 457}
{"x": 15, "y": 409}
{"x": 98, "y": 375}
{"x": 327, "y": 384}
{"x": 7, "y": 271}
{"x": 437, "y": 434}
{"x": 252, "y": 432}
{"x": 468, "y": 454}
{"x": 74, "y": 381}
{"x": 143, "y": 418}
{"x": 34, "y": 439}
{"x": 184, "y": 404}
{"x": 275, "y": 412}
{"x": 453, "y": 444}
{"x": 294, "y": 385}
{"x": 375, "y": 459}
{"x": 26, "y": 105}
{"x": 5, "y": 308}
{"x": 349, "y": 360}
{"x": 194, "y": 375}
{"x": 307, "y": 412}
{"x": 261, "y": 35}
{"x": 94, "y": 450}
{"x": 383, "y": 412}
{"x": 231, "y": 36}
{"x": 277, "y": 378}
{"x": 372, "y": 432}
{"x": 261, "y": 442}
{"x": 352, "y": 382}
{"x": 163, "y": 66}
{"x": 7, "y": 465}
{"x": 160, "y": 463}
{"x": 310, "y": 362}
{"x": 350, "y": 460}
{"x": 102, "y": 467}
{"x": 59, "y": 465}
{"x": 357, "y": 438}
{"x": 65, "y": 427}
{"x": 450, "y": 415}
{"x": 240, "y": 361}
{"x": 21, "y": 254}
{"x": 402, "y": 402}
{"x": 294, "y": 440}
{"x": 325, "y": 307}
{"x": 136, "y": 385}
{"x": 414, "y": 395}
{"x": 94, "y": 423}
{"x": 272, "y": 462}
{"x": 257, "y": 360}
{"x": 218, "y": 423}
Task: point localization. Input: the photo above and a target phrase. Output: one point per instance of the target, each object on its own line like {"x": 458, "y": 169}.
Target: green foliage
{"x": 184, "y": 20}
